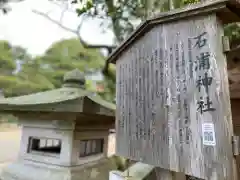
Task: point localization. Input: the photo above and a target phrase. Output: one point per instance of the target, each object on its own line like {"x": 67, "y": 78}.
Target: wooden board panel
{"x": 173, "y": 107}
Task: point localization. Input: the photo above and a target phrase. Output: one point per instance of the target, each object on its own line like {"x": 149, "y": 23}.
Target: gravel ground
{"x": 9, "y": 145}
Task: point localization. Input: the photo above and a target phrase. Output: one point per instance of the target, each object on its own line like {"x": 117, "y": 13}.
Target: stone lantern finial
{"x": 74, "y": 78}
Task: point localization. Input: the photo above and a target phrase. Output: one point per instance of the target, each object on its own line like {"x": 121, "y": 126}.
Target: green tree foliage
{"x": 31, "y": 73}
{"x": 46, "y": 72}
{"x": 13, "y": 83}
{"x": 7, "y": 66}
{"x": 7, "y": 63}
{"x": 64, "y": 56}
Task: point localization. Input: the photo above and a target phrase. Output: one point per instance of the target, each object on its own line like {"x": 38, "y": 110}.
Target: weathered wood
{"x": 226, "y": 44}
{"x": 173, "y": 100}
{"x": 236, "y": 150}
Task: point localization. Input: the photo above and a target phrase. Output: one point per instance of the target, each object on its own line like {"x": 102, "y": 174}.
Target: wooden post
{"x": 173, "y": 103}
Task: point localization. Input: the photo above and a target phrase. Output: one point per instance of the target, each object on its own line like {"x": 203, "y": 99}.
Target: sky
{"x": 23, "y": 27}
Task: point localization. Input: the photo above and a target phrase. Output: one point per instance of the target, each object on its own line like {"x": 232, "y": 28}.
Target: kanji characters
{"x": 204, "y": 107}
{"x": 203, "y": 62}
{"x": 205, "y": 81}
{"x": 200, "y": 40}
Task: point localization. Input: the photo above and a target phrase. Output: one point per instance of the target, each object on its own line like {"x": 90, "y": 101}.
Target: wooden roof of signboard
{"x": 70, "y": 98}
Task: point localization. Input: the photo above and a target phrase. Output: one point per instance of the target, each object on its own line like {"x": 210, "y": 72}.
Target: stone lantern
{"x": 64, "y": 131}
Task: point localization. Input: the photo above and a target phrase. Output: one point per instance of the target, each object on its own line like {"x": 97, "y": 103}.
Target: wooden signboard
{"x": 173, "y": 105}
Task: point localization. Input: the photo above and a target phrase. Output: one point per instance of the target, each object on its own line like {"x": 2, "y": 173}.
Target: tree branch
{"x": 76, "y": 32}
{"x": 59, "y": 23}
